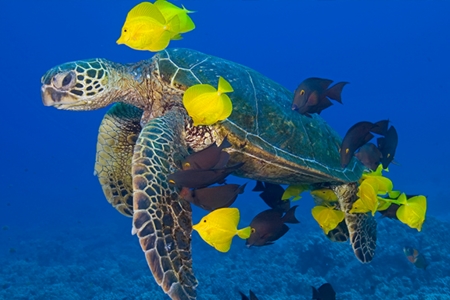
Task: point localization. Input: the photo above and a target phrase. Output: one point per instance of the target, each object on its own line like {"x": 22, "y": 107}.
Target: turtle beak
{"x": 50, "y": 97}
{"x": 60, "y": 99}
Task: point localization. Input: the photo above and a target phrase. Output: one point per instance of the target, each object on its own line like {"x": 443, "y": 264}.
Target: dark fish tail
{"x": 381, "y": 127}
{"x": 335, "y": 91}
{"x": 315, "y": 294}
{"x": 240, "y": 190}
{"x": 224, "y": 157}
{"x": 244, "y": 297}
{"x": 253, "y": 296}
{"x": 327, "y": 292}
{"x": 289, "y": 216}
{"x": 259, "y": 187}
{"x": 225, "y": 144}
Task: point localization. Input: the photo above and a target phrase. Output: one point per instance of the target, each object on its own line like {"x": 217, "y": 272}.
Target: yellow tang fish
{"x": 294, "y": 191}
{"x": 206, "y": 105}
{"x": 327, "y": 217}
{"x": 170, "y": 10}
{"x": 382, "y": 184}
{"x": 146, "y": 28}
{"x": 325, "y": 194}
{"x": 412, "y": 213}
{"x": 368, "y": 200}
{"x": 220, "y": 226}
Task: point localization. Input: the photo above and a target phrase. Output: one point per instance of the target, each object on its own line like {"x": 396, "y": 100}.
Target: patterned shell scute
{"x": 262, "y": 114}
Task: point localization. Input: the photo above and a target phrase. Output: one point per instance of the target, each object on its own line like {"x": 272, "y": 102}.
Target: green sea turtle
{"x": 145, "y": 135}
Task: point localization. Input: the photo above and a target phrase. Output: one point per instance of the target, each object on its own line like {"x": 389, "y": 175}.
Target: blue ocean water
{"x": 60, "y": 239}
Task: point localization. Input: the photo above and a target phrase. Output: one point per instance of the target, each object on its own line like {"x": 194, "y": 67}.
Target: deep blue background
{"x": 395, "y": 54}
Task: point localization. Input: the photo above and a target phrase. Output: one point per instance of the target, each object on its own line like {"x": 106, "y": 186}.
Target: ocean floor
{"x": 105, "y": 262}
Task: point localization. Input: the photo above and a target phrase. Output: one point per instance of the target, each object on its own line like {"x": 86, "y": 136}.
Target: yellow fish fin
{"x": 244, "y": 233}
{"x": 192, "y": 93}
{"x": 146, "y": 9}
{"x": 169, "y": 10}
{"x": 186, "y": 23}
{"x": 394, "y": 194}
{"x": 223, "y": 247}
{"x": 177, "y": 37}
{"x": 173, "y": 25}
{"x": 187, "y": 11}
{"x": 224, "y": 86}
{"x": 399, "y": 199}
{"x": 226, "y": 218}
{"x": 227, "y": 107}
{"x": 377, "y": 172}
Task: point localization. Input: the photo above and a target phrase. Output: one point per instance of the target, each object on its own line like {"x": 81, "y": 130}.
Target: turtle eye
{"x": 64, "y": 80}
{"x": 67, "y": 79}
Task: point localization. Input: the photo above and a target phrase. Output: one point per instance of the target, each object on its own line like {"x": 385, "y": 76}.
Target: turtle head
{"x": 79, "y": 85}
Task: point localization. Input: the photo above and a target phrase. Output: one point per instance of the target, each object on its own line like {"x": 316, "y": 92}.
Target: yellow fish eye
{"x": 302, "y": 92}
{"x": 347, "y": 150}
{"x": 253, "y": 230}
{"x": 171, "y": 181}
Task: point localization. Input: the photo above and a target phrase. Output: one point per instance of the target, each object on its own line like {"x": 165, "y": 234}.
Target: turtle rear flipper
{"x": 362, "y": 228}
{"x": 339, "y": 234}
{"x": 117, "y": 136}
{"x": 162, "y": 219}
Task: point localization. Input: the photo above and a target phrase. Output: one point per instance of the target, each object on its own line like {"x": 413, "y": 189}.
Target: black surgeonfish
{"x": 416, "y": 258}
{"x": 207, "y": 158}
{"x": 324, "y": 292}
{"x": 214, "y": 197}
{"x": 387, "y": 146}
{"x": 272, "y": 194}
{"x": 197, "y": 179}
{"x": 311, "y": 96}
{"x": 252, "y": 296}
{"x": 356, "y": 136}
{"x": 369, "y": 155}
{"x": 269, "y": 225}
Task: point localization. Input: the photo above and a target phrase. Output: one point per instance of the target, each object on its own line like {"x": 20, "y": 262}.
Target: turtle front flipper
{"x": 117, "y": 136}
{"x": 162, "y": 220}
{"x": 362, "y": 228}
